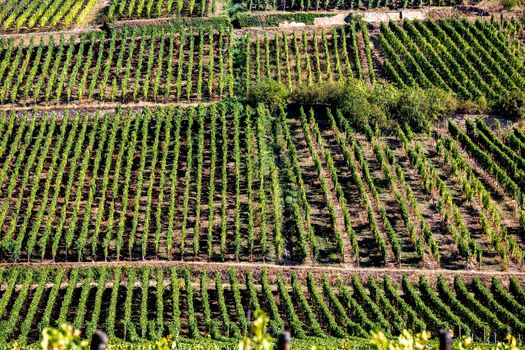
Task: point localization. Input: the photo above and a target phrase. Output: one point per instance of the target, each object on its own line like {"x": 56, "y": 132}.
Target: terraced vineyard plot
{"x": 156, "y": 65}
{"x": 229, "y": 183}
{"x": 502, "y": 159}
{"x": 27, "y": 15}
{"x": 311, "y": 5}
{"x": 144, "y": 185}
{"x": 307, "y": 56}
{"x": 504, "y": 156}
{"x": 147, "y": 303}
{"x": 414, "y": 215}
{"x": 470, "y": 59}
{"x": 129, "y": 65}
{"x": 129, "y": 9}
{"x": 137, "y": 65}
{"x": 478, "y": 216}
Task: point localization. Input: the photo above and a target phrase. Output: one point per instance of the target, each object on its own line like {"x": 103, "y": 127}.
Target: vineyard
{"x": 472, "y": 60}
{"x": 316, "y": 5}
{"x": 31, "y": 15}
{"x": 129, "y": 9}
{"x": 169, "y": 167}
{"x": 128, "y": 65}
{"x": 307, "y": 57}
{"x": 147, "y": 303}
{"x": 27, "y": 15}
{"x": 165, "y": 66}
{"x": 230, "y": 183}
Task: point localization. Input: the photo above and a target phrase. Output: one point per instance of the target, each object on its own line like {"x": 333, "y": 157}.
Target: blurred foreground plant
{"x": 167, "y": 343}
{"x": 258, "y": 338}
{"x": 67, "y": 338}
{"x": 511, "y": 344}
{"x": 63, "y": 338}
{"x": 405, "y": 341}
{"x": 408, "y": 341}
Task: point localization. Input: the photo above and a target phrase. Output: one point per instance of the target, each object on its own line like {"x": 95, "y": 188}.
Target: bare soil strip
{"x": 332, "y": 270}
{"x": 100, "y": 106}
{"x": 25, "y": 38}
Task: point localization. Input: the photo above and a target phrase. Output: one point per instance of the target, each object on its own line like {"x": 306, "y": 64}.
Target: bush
{"x": 352, "y": 96}
{"x": 320, "y": 94}
{"x": 511, "y": 106}
{"x": 509, "y": 5}
{"x": 385, "y": 99}
{"x": 386, "y": 95}
{"x": 364, "y": 107}
{"x": 384, "y": 106}
{"x": 269, "y": 92}
{"x": 420, "y": 108}
{"x": 477, "y": 106}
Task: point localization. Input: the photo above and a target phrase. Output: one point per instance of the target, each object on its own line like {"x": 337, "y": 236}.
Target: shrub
{"x": 384, "y": 106}
{"x": 477, "y": 106}
{"x": 509, "y": 5}
{"x": 352, "y": 96}
{"x": 269, "y": 92}
{"x": 327, "y": 93}
{"x": 420, "y": 108}
{"x": 511, "y": 106}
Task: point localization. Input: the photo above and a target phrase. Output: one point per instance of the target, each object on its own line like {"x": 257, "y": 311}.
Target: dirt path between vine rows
{"x": 100, "y": 106}
{"x": 332, "y": 272}
{"x": 25, "y": 38}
